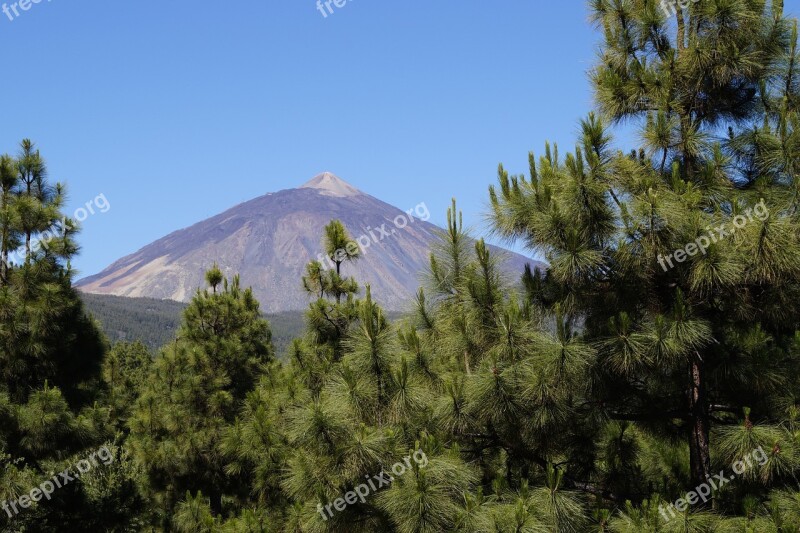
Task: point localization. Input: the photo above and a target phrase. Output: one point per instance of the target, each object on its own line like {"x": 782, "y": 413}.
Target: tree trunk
{"x": 338, "y": 275}
{"x": 215, "y": 501}
{"x": 4, "y": 260}
{"x": 699, "y": 449}
{"x": 4, "y": 240}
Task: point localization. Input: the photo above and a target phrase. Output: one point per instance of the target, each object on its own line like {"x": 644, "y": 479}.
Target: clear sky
{"x": 177, "y": 110}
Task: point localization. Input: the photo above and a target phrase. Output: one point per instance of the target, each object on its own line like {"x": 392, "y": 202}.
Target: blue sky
{"x": 178, "y": 110}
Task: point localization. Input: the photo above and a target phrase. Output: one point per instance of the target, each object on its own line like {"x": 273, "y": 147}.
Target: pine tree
{"x": 193, "y": 395}
{"x": 125, "y": 370}
{"x": 506, "y": 392}
{"x": 9, "y": 239}
{"x": 692, "y": 328}
{"x": 50, "y": 352}
{"x": 329, "y": 321}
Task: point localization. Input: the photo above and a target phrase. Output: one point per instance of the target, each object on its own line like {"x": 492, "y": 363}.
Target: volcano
{"x": 269, "y": 241}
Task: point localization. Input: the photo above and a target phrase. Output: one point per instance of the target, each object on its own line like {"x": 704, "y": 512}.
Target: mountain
{"x": 269, "y": 241}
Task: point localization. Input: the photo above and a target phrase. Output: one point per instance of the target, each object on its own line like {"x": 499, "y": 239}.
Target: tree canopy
{"x": 646, "y": 379}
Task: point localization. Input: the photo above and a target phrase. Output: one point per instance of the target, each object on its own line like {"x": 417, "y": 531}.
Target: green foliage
{"x": 672, "y": 346}
{"x": 125, "y": 370}
{"x": 52, "y": 408}
{"x": 195, "y": 389}
{"x": 154, "y": 323}
{"x": 329, "y": 318}
{"x": 589, "y": 397}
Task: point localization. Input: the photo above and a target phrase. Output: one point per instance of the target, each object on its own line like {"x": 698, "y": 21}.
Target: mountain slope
{"x": 270, "y": 239}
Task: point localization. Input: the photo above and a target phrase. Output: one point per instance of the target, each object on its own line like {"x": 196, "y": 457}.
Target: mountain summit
{"x": 331, "y": 185}
{"x": 269, "y": 241}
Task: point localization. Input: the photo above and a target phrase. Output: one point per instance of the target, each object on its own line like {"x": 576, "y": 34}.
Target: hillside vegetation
{"x": 155, "y": 322}
{"x": 646, "y": 380}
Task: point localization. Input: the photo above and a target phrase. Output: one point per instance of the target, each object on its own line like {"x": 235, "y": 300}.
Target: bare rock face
{"x": 269, "y": 241}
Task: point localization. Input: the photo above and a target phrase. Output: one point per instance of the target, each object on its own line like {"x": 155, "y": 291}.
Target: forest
{"x": 646, "y": 380}
{"x": 155, "y": 322}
